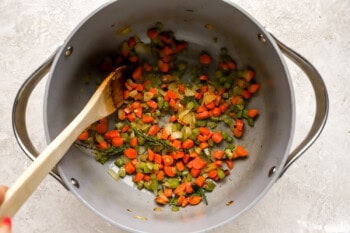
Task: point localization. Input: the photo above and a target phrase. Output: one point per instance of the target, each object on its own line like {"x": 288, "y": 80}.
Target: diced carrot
{"x": 253, "y": 113}
{"x": 103, "y": 145}
{"x": 147, "y": 67}
{"x": 169, "y": 171}
{"x": 188, "y": 187}
{"x": 163, "y": 66}
{"x": 224, "y": 66}
{"x": 153, "y": 90}
{"x": 195, "y": 172}
{"x": 216, "y": 112}
{"x": 139, "y": 87}
{"x": 203, "y": 138}
{"x": 152, "y": 33}
{"x": 172, "y": 118}
{"x": 133, "y": 59}
{"x": 187, "y": 144}
{"x": 168, "y": 192}
{"x": 186, "y": 158}
{"x": 204, "y": 89}
{"x": 160, "y": 175}
{"x": 176, "y": 144}
{"x": 178, "y": 154}
{"x": 181, "y": 88}
{"x": 117, "y": 142}
{"x": 218, "y": 154}
{"x": 200, "y": 181}
{"x": 203, "y": 145}
{"x": 203, "y": 115}
{"x": 213, "y": 173}
{"x": 232, "y": 65}
{"x": 171, "y": 94}
{"x": 167, "y": 160}
{"x": 101, "y": 128}
{"x": 129, "y": 168}
{"x": 125, "y": 129}
{"x": 147, "y": 177}
{"x": 246, "y": 94}
{"x": 210, "y": 105}
{"x": 137, "y": 73}
{"x": 138, "y": 177}
{"x": 147, "y": 119}
{"x": 195, "y": 199}
{"x": 205, "y": 59}
{"x": 204, "y": 131}
{"x": 131, "y": 117}
{"x": 164, "y": 134}
{"x": 237, "y": 133}
{"x": 84, "y": 135}
{"x": 198, "y": 96}
{"x": 239, "y": 124}
{"x": 138, "y": 112}
{"x": 182, "y": 201}
{"x": 229, "y": 164}
{"x": 201, "y": 108}
{"x": 218, "y": 163}
{"x": 162, "y": 199}
{"x": 217, "y": 137}
{"x": 152, "y": 104}
{"x": 203, "y": 77}
{"x": 253, "y": 87}
{"x": 223, "y": 107}
{"x": 133, "y": 142}
{"x": 130, "y": 153}
{"x": 241, "y": 152}
{"x": 150, "y": 154}
{"x": 109, "y": 135}
{"x": 157, "y": 158}
{"x": 198, "y": 163}
{"x": 180, "y": 189}
{"x": 180, "y": 166}
{"x": 237, "y": 100}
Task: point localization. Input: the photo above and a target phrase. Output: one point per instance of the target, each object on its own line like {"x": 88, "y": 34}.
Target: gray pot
{"x": 120, "y": 203}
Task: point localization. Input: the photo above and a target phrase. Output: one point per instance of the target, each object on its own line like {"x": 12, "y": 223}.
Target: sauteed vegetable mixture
{"x": 176, "y": 139}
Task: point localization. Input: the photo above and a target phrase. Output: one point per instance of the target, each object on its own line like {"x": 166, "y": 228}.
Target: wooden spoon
{"x": 105, "y": 101}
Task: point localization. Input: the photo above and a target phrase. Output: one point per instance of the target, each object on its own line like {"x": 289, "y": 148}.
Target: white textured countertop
{"x": 312, "y": 196}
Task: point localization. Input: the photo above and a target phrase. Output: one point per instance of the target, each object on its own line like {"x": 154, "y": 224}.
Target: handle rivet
{"x": 262, "y": 38}
{"x": 75, "y": 182}
{"x": 272, "y": 171}
{"x": 69, "y": 51}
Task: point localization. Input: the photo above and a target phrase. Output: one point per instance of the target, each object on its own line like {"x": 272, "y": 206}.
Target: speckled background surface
{"x": 312, "y": 196}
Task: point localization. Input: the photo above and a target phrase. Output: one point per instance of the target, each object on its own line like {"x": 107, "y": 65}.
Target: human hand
{"x": 5, "y": 225}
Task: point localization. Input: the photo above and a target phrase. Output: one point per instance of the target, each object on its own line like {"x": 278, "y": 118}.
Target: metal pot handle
{"x": 19, "y": 112}
{"x": 322, "y": 102}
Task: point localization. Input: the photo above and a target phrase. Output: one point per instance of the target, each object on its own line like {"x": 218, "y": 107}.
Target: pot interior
{"x": 207, "y": 25}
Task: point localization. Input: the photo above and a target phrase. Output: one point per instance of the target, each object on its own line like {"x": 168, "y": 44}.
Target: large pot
{"x": 268, "y": 142}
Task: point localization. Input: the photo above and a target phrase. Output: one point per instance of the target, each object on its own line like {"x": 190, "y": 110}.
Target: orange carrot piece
{"x": 151, "y": 154}
{"x": 168, "y": 192}
{"x": 103, "y": 145}
{"x": 218, "y": 154}
{"x": 112, "y": 134}
{"x": 212, "y": 174}
{"x": 152, "y": 104}
{"x": 180, "y": 166}
{"x": 237, "y": 133}
{"x": 117, "y": 142}
{"x": 229, "y": 164}
{"x": 249, "y": 75}
{"x": 253, "y": 87}
{"x": 217, "y": 137}
{"x": 138, "y": 177}
{"x": 201, "y": 108}
{"x": 200, "y": 181}
{"x": 195, "y": 199}
{"x": 205, "y": 59}
{"x": 195, "y": 172}
{"x": 160, "y": 175}
{"x": 169, "y": 171}
{"x": 167, "y": 160}
{"x": 162, "y": 199}
{"x": 129, "y": 168}
{"x": 187, "y": 144}
{"x": 239, "y": 124}
{"x": 153, "y": 130}
{"x": 133, "y": 142}
{"x": 216, "y": 111}
{"x": 188, "y": 188}
{"x": 84, "y": 135}
{"x": 176, "y": 144}
{"x": 137, "y": 73}
{"x": 130, "y": 153}
{"x": 241, "y": 151}
{"x": 203, "y": 145}
{"x": 147, "y": 119}
{"x": 203, "y": 115}
{"x": 157, "y": 158}
{"x": 172, "y": 118}
{"x": 180, "y": 189}
{"x": 253, "y": 113}
{"x": 125, "y": 128}
{"x": 198, "y": 163}
{"x": 101, "y": 128}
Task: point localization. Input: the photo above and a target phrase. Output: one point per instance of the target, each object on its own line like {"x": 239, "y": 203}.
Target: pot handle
{"x": 322, "y": 102}
{"x": 20, "y": 107}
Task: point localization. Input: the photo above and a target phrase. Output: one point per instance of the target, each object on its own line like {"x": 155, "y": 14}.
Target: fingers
{"x": 3, "y": 190}
{"x": 5, "y": 226}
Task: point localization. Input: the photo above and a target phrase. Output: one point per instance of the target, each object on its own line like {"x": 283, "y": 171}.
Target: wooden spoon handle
{"x": 27, "y": 183}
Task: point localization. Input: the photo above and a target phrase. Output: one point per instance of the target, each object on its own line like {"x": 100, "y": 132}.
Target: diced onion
{"x": 176, "y": 135}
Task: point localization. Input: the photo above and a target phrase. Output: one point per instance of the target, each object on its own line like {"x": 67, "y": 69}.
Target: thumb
{"x": 5, "y": 226}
